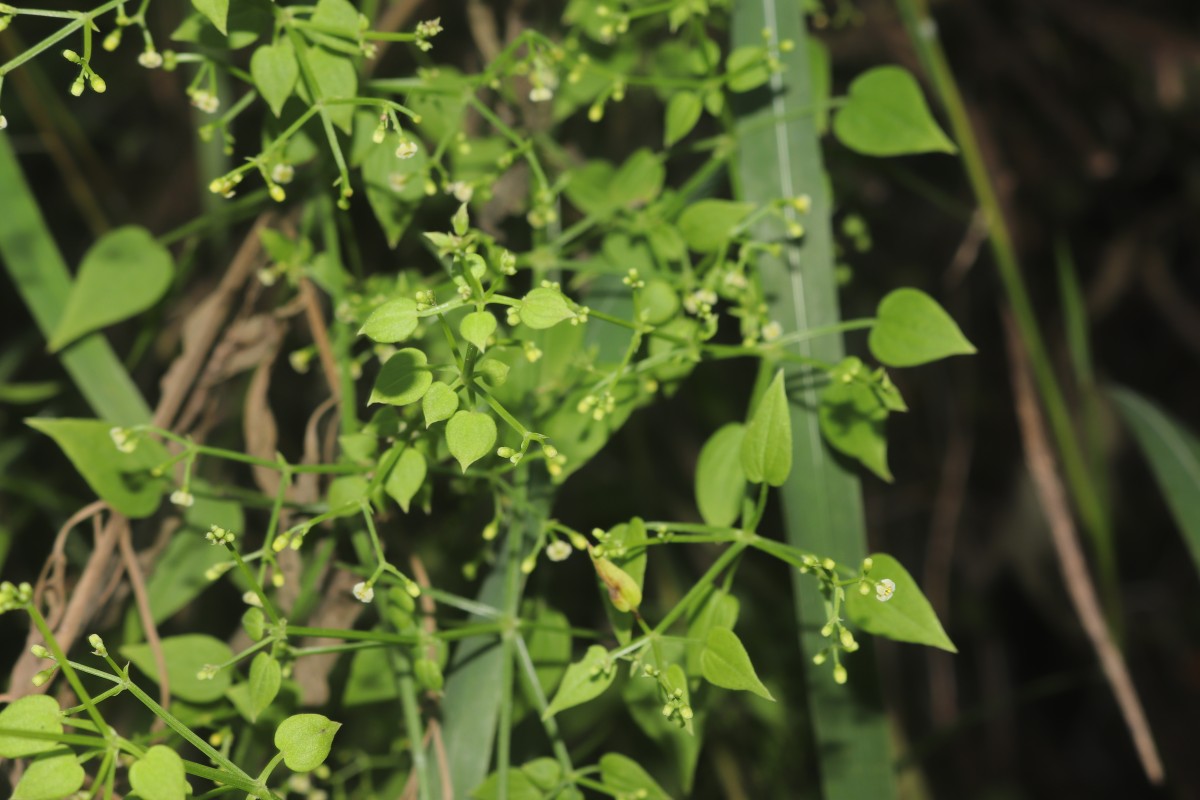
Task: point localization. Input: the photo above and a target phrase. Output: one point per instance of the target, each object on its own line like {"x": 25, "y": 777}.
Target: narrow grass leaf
{"x": 40, "y": 276}
{"x": 1174, "y": 455}
{"x": 779, "y": 155}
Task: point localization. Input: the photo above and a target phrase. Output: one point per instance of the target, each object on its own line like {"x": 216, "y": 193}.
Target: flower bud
{"x": 97, "y": 645}
{"x": 43, "y": 677}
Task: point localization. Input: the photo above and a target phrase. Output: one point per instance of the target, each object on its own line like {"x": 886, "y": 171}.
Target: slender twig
{"x": 1040, "y": 458}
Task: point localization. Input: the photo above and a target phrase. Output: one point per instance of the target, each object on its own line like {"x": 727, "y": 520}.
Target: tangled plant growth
{"x": 496, "y": 364}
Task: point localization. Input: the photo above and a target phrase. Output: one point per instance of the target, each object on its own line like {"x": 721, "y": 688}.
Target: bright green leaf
{"x": 265, "y": 678}
{"x": 718, "y": 610}
{"x": 337, "y": 79}
{"x": 305, "y": 740}
{"x": 767, "y": 443}
{"x": 748, "y": 68}
{"x": 545, "y": 772}
{"x": 393, "y": 321}
{"x": 912, "y": 329}
{"x": 470, "y": 436}
{"x": 584, "y": 680}
{"x": 725, "y": 663}
{"x": 159, "y": 775}
{"x": 50, "y": 777}
{"x": 275, "y": 71}
{"x": 544, "y": 308}
{"x": 124, "y": 273}
{"x": 626, "y": 778}
{"x": 37, "y": 713}
{"x": 639, "y": 180}
{"x": 439, "y": 403}
{"x": 905, "y": 615}
{"x": 720, "y": 479}
{"x": 683, "y": 112}
{"x": 518, "y": 786}
{"x": 477, "y": 327}
{"x": 217, "y": 12}
{"x": 852, "y": 416}
{"x": 337, "y": 14}
{"x": 1174, "y": 455}
{"x": 406, "y": 477}
{"x": 886, "y": 115}
{"x": 404, "y": 379}
{"x": 122, "y": 480}
{"x": 707, "y": 225}
{"x": 186, "y": 656}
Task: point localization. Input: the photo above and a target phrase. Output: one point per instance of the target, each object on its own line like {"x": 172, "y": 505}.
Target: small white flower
{"x": 558, "y": 550}
{"x": 541, "y": 94}
{"x": 150, "y": 59}
{"x": 251, "y": 599}
{"x": 206, "y": 101}
{"x": 207, "y": 672}
{"x": 283, "y": 173}
{"x": 123, "y": 438}
{"x": 362, "y": 592}
{"x": 3, "y": 122}
{"x": 406, "y": 149}
{"x": 885, "y": 589}
{"x": 462, "y": 191}
{"x": 182, "y": 498}
{"x": 772, "y": 331}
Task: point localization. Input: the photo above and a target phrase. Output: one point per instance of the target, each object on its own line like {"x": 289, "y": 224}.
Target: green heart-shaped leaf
{"x": 720, "y": 479}
{"x": 305, "y": 740}
{"x": 123, "y": 480}
{"x": 470, "y": 436}
{"x": 186, "y": 657}
{"x": 393, "y": 321}
{"x": 159, "y": 775}
{"x": 886, "y": 115}
{"x": 217, "y": 12}
{"x": 477, "y": 327}
{"x": 583, "y": 681}
{"x": 50, "y": 777}
{"x": 404, "y": 379}
{"x": 896, "y": 608}
{"x": 439, "y": 403}
{"x": 912, "y": 329}
{"x": 275, "y": 71}
{"x": 124, "y": 273}
{"x": 724, "y": 662}
{"x": 406, "y": 477}
{"x": 265, "y": 678}
{"x": 544, "y": 308}
{"x": 37, "y": 713}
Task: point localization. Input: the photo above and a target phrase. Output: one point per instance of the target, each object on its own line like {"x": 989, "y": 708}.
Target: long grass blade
{"x": 1174, "y": 455}
{"x": 780, "y": 156}
{"x": 40, "y": 275}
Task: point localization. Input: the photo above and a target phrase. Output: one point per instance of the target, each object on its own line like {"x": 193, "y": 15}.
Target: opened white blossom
{"x": 182, "y": 498}
{"x": 885, "y": 589}
{"x": 363, "y": 592}
{"x": 283, "y": 173}
{"x": 150, "y": 59}
{"x": 124, "y": 439}
{"x": 406, "y": 149}
{"x": 558, "y": 550}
